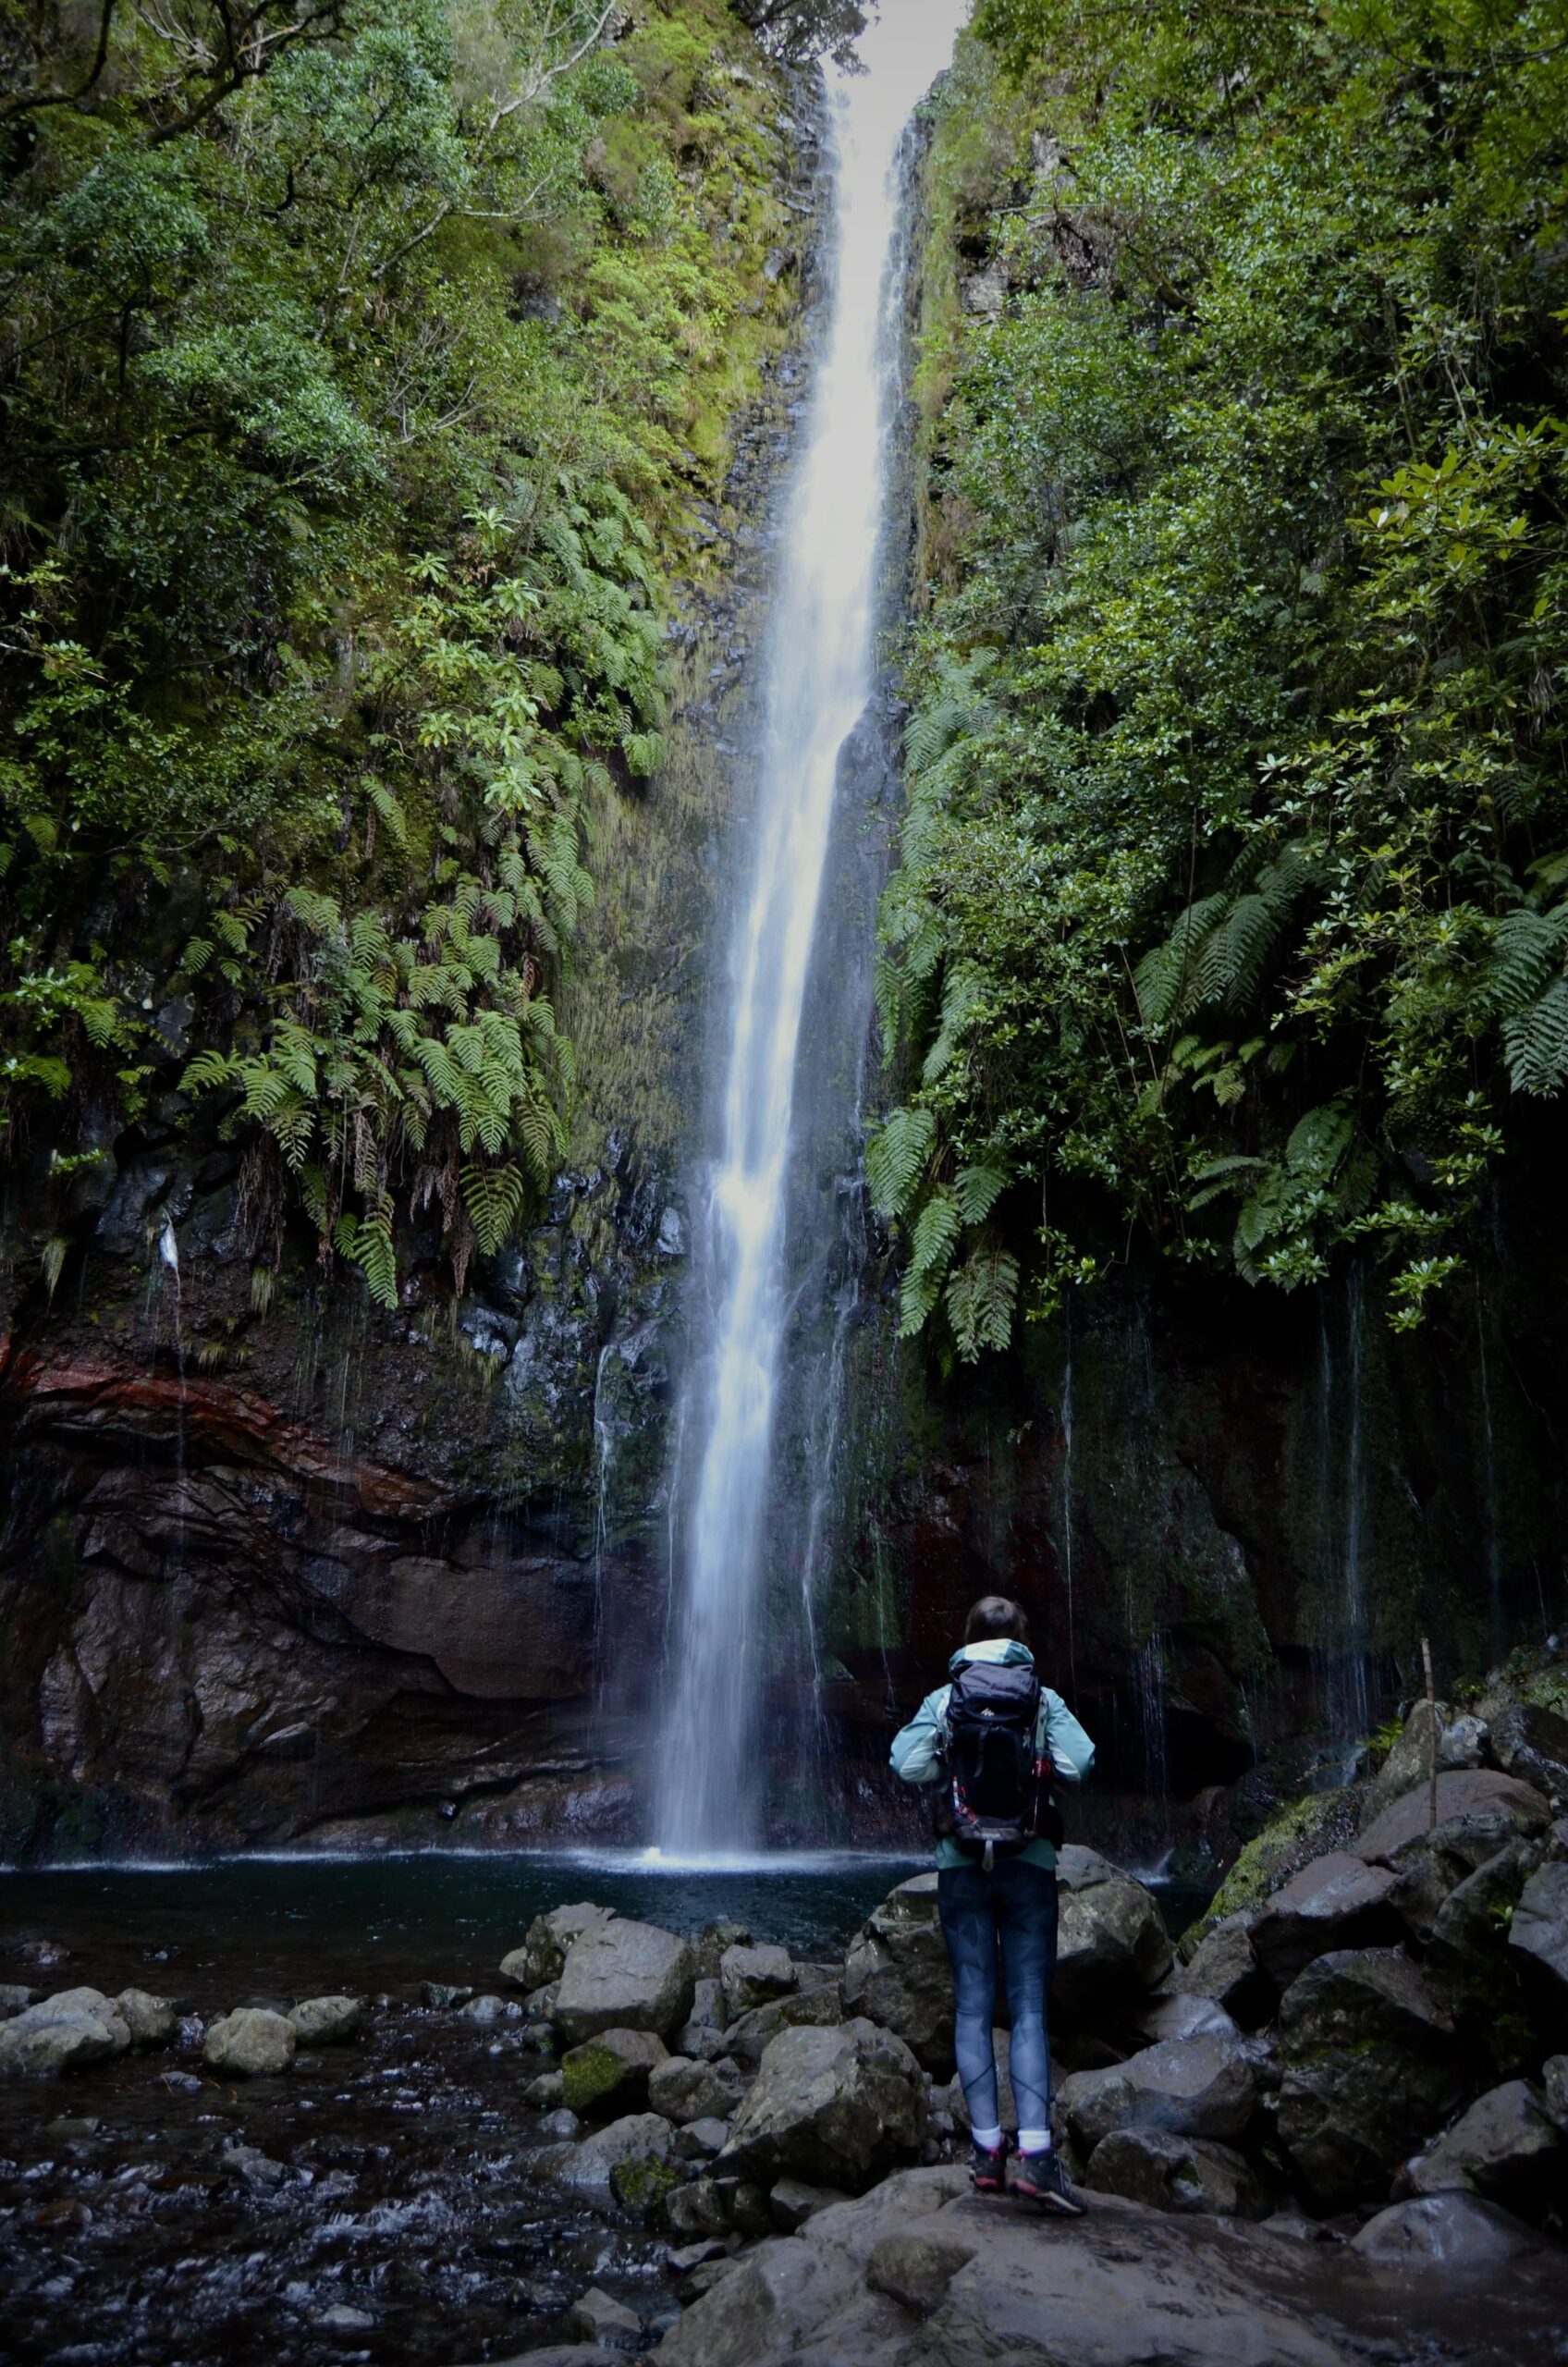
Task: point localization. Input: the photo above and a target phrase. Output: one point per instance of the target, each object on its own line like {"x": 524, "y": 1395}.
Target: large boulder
{"x": 65, "y": 2032}
{"x": 1171, "y": 2173}
{"x": 835, "y": 2107}
{"x": 607, "y": 2076}
{"x": 1112, "y": 1946}
{"x": 702, "y": 2033}
{"x": 1223, "y": 1966}
{"x": 1461, "y": 1742}
{"x": 1335, "y": 1901}
{"x": 1174, "y": 2014}
{"x": 1371, "y": 2071}
{"x": 749, "y": 1977}
{"x": 1505, "y": 2146}
{"x": 1460, "y": 1795}
{"x": 1538, "y": 1936}
{"x": 621, "y": 1975}
{"x": 821, "y": 2007}
{"x": 1532, "y": 1743}
{"x": 686, "y": 2091}
{"x": 542, "y": 1956}
{"x": 898, "y": 1973}
{"x": 1461, "y": 2235}
{"x": 250, "y": 2043}
{"x": 1197, "y": 2087}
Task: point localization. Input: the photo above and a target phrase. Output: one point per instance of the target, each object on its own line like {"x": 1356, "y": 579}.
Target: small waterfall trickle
{"x": 820, "y": 674}
{"x": 1341, "y": 1521}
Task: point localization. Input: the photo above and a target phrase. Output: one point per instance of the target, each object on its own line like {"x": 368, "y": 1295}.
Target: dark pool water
{"x": 318, "y": 1924}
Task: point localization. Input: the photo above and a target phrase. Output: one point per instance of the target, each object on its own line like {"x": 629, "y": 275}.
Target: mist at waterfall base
{"x": 820, "y": 675}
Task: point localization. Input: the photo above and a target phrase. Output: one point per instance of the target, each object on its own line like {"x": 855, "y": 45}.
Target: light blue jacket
{"x": 917, "y": 1747}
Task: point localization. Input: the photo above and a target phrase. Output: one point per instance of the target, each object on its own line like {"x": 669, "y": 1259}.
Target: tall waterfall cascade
{"x": 819, "y": 676}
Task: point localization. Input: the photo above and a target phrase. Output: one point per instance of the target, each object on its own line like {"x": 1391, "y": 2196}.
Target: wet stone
{"x": 326, "y": 2021}
{"x": 249, "y": 2043}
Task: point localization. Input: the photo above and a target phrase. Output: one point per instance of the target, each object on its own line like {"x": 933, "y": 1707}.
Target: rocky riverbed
{"x": 1329, "y": 2124}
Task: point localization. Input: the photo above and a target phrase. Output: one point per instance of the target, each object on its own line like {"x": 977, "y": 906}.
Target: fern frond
{"x": 1535, "y": 1043}
{"x": 896, "y": 1156}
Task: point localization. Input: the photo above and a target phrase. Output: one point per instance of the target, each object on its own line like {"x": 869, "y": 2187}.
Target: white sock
{"x": 1033, "y": 2140}
{"x": 986, "y": 2139}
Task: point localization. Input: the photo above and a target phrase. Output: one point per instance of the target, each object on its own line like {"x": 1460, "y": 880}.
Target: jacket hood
{"x": 1001, "y": 1650}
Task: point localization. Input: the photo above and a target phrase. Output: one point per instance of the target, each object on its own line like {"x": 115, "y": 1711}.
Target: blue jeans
{"x": 1013, "y": 1907}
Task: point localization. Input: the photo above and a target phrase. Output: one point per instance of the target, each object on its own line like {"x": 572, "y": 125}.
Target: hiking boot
{"x": 988, "y": 2170}
{"x": 1041, "y": 2180}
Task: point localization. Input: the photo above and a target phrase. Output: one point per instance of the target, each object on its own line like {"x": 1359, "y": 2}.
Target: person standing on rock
{"x": 995, "y": 1742}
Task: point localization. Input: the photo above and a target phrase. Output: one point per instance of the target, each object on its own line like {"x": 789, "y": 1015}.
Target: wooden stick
{"x": 1432, "y": 1736}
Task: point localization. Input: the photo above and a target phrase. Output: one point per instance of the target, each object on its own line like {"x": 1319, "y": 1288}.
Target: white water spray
{"x": 820, "y": 672}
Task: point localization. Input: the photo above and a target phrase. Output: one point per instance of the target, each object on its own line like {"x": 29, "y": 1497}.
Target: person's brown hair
{"x": 994, "y": 1616}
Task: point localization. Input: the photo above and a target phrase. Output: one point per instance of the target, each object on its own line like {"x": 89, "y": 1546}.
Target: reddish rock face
{"x": 251, "y": 1632}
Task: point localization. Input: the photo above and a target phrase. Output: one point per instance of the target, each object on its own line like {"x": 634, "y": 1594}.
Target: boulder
{"x": 749, "y": 1977}
{"x": 1555, "y": 2088}
{"x": 1460, "y": 1795}
{"x": 542, "y": 1956}
{"x": 1335, "y": 1901}
{"x": 820, "y": 2009}
{"x": 1460, "y": 1743}
{"x": 1223, "y": 1966}
{"x": 699, "y": 2141}
{"x": 560, "y": 2126}
{"x": 586, "y": 2167}
{"x": 547, "y": 2093}
{"x": 607, "y": 2076}
{"x": 1467, "y": 2237}
{"x": 1532, "y": 1743}
{"x": 686, "y": 2091}
{"x": 327, "y": 2021}
{"x": 1538, "y": 1937}
{"x": 624, "y": 1975}
{"x": 1112, "y": 1946}
{"x": 1123, "y": 2287}
{"x": 708, "y": 1948}
{"x": 598, "y": 2317}
{"x": 1371, "y": 2071}
{"x": 15, "y": 1998}
{"x": 250, "y": 2043}
{"x": 1179, "y": 2016}
{"x": 1470, "y": 1932}
{"x": 1171, "y": 2173}
{"x": 898, "y": 1973}
{"x": 837, "y": 2106}
{"x": 702, "y": 2033}
{"x": 150, "y": 2020}
{"x": 65, "y": 2032}
{"x": 487, "y": 2009}
{"x": 1505, "y": 2146}
{"x": 1199, "y": 2086}
{"x": 792, "y": 2202}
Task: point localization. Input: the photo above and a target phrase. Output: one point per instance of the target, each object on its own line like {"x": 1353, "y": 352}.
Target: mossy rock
{"x": 1296, "y": 1833}
{"x": 642, "y": 2185}
{"x": 589, "y": 2074}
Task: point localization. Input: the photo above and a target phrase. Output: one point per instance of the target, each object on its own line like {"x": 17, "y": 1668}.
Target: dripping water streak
{"x": 819, "y": 677}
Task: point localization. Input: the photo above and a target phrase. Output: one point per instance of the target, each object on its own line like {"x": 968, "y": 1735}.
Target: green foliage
{"x": 358, "y": 361}
{"x": 1232, "y": 911}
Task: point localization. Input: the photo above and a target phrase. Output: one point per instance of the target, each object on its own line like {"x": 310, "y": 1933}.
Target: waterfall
{"x": 820, "y": 670}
